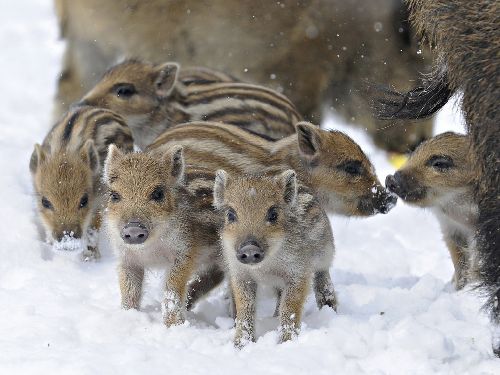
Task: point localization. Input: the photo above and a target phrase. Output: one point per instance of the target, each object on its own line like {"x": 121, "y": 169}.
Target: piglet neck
{"x": 461, "y": 207}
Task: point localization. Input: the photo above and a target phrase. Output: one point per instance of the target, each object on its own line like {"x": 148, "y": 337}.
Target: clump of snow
{"x": 76, "y": 248}
{"x": 69, "y": 245}
{"x": 397, "y": 313}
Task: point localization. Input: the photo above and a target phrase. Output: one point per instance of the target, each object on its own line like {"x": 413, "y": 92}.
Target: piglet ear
{"x": 38, "y": 156}
{"x": 166, "y": 77}
{"x": 309, "y": 139}
{"x": 288, "y": 182}
{"x": 114, "y": 155}
{"x": 174, "y": 159}
{"x": 220, "y": 184}
{"x": 89, "y": 154}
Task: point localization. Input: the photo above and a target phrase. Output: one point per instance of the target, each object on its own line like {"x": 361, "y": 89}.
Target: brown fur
{"x": 440, "y": 175}
{"x": 66, "y": 173}
{"x": 181, "y": 237}
{"x": 328, "y": 162}
{"x": 156, "y": 99}
{"x": 294, "y": 236}
{"x": 317, "y": 52}
{"x": 467, "y": 40}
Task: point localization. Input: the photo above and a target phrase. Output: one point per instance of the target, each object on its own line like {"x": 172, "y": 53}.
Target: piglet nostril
{"x": 134, "y": 233}
{"x": 250, "y": 253}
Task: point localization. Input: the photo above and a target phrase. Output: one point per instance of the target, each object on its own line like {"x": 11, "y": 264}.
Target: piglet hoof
{"x": 240, "y": 344}
{"x": 128, "y": 305}
{"x": 173, "y": 317}
{"x": 331, "y": 302}
{"x": 458, "y": 281}
{"x": 327, "y": 299}
{"x": 242, "y": 339}
{"x": 173, "y": 313}
{"x": 459, "y": 285}
{"x": 287, "y": 333}
{"x": 92, "y": 254}
{"x": 173, "y": 320}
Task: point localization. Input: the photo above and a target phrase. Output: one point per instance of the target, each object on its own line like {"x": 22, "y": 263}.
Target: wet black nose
{"x": 250, "y": 253}
{"x": 398, "y": 183}
{"x": 392, "y": 183}
{"x": 134, "y": 233}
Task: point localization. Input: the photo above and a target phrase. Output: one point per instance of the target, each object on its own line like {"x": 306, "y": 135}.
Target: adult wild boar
{"x": 467, "y": 39}
{"x": 317, "y": 52}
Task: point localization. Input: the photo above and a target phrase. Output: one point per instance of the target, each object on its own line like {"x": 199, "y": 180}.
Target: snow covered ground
{"x": 397, "y": 312}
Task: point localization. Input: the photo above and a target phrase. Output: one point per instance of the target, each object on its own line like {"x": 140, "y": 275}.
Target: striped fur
{"x": 163, "y": 97}
{"x": 84, "y": 123}
{"x": 199, "y": 76}
{"x": 66, "y": 172}
{"x": 324, "y": 161}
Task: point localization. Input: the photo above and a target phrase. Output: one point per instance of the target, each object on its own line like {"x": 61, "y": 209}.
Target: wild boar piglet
{"x": 155, "y": 97}
{"x": 66, "y": 173}
{"x": 153, "y": 221}
{"x": 440, "y": 175}
{"x": 275, "y": 233}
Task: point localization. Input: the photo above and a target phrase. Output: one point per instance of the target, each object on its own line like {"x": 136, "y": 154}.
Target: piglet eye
{"x": 272, "y": 215}
{"x": 124, "y": 90}
{"x": 231, "y": 215}
{"x": 46, "y": 203}
{"x": 440, "y": 163}
{"x": 352, "y": 167}
{"x": 84, "y": 201}
{"x": 158, "y": 194}
{"x": 114, "y": 197}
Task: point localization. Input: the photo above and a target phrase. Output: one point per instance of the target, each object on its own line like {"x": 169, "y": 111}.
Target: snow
{"x": 397, "y": 311}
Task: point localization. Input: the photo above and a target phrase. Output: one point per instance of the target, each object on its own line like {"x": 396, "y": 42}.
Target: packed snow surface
{"x": 397, "y": 311}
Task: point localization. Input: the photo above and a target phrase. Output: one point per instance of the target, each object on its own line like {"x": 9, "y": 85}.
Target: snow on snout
{"x": 69, "y": 244}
